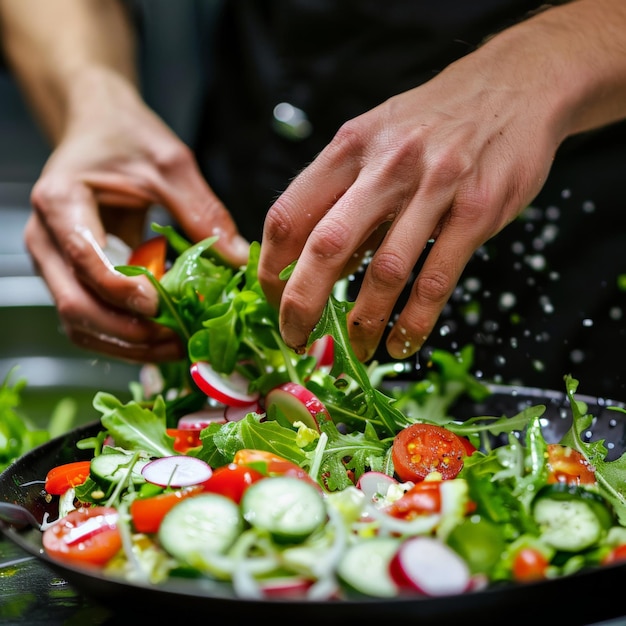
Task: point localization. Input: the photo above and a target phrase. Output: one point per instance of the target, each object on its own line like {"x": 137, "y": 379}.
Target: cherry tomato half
{"x": 232, "y": 480}
{"x": 59, "y": 479}
{"x": 85, "y": 535}
{"x": 423, "y": 497}
{"x": 151, "y": 254}
{"x": 420, "y": 449}
{"x": 529, "y": 564}
{"x": 567, "y": 465}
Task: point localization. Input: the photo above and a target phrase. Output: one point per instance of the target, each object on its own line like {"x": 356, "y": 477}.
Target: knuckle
{"x": 329, "y": 239}
{"x": 433, "y": 286}
{"x": 279, "y": 222}
{"x": 388, "y": 269}
{"x": 172, "y": 157}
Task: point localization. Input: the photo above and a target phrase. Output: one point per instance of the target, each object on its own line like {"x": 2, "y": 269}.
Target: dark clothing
{"x": 335, "y": 59}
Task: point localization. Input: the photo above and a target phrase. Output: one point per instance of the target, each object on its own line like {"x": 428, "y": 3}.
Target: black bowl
{"x": 582, "y": 598}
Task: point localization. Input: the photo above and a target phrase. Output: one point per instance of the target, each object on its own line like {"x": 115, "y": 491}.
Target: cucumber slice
{"x": 570, "y": 517}
{"x": 109, "y": 469}
{"x": 288, "y": 508}
{"x": 208, "y": 523}
{"x": 366, "y": 567}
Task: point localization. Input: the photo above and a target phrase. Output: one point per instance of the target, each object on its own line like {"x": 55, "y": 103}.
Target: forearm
{"x": 575, "y": 56}
{"x": 53, "y": 47}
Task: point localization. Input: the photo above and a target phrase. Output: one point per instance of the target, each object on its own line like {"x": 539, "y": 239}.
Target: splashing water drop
{"x": 507, "y": 300}
{"x": 538, "y": 366}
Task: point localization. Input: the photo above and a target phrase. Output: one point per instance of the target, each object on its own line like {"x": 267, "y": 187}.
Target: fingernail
{"x": 241, "y": 246}
{"x": 400, "y": 345}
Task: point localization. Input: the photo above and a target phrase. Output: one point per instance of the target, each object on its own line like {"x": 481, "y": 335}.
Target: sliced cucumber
{"x": 366, "y": 567}
{"x": 109, "y": 469}
{"x": 205, "y": 524}
{"x": 570, "y": 517}
{"x": 288, "y": 508}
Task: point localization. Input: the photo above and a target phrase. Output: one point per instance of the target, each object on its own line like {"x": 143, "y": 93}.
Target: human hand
{"x": 453, "y": 160}
{"x": 116, "y": 158}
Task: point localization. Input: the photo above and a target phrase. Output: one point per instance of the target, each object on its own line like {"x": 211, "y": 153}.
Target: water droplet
{"x": 587, "y": 323}
{"x": 577, "y": 356}
{"x": 507, "y": 300}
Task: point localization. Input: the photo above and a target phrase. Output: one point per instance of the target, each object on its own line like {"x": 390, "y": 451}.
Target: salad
{"x": 314, "y": 475}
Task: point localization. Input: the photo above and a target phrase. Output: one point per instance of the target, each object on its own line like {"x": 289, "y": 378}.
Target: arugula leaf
{"x": 134, "y": 427}
{"x": 609, "y": 474}
{"x": 378, "y": 405}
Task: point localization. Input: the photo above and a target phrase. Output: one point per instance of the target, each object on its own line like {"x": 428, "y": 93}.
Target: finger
{"x": 359, "y": 217}
{"x": 86, "y": 319}
{"x": 391, "y": 265}
{"x": 296, "y": 213}
{"x": 198, "y": 210}
{"x": 453, "y": 248}
{"x": 69, "y": 214}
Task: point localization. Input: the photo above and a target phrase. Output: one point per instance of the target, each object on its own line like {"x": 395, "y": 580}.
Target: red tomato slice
{"x": 270, "y": 464}
{"x": 147, "y": 513}
{"x": 59, "y": 479}
{"x": 529, "y": 564}
{"x": 232, "y": 480}
{"x": 567, "y": 465}
{"x": 86, "y": 535}
{"x": 184, "y": 439}
{"x": 420, "y": 449}
{"x": 424, "y": 497}
{"x": 151, "y": 254}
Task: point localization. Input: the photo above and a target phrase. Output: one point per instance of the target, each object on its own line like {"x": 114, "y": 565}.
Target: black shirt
{"x": 539, "y": 300}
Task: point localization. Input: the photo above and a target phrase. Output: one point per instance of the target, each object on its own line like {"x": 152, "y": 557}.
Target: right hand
{"x": 114, "y": 160}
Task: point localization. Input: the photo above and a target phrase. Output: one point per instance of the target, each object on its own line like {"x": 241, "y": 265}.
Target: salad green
{"x": 488, "y": 513}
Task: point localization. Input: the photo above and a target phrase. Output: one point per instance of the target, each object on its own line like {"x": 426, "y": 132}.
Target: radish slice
{"x": 375, "y": 484}
{"x": 201, "y": 419}
{"x": 429, "y": 566}
{"x": 177, "y": 471}
{"x": 231, "y": 390}
{"x": 287, "y": 587}
{"x": 323, "y": 349}
{"x": 298, "y": 404}
{"x": 236, "y": 413}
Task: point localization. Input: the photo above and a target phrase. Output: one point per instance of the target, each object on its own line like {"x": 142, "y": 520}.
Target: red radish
{"x": 374, "y": 484}
{"x": 201, "y": 419}
{"x": 236, "y": 413}
{"x": 231, "y": 390}
{"x": 298, "y": 404}
{"x": 429, "y": 566}
{"x": 151, "y": 380}
{"x": 323, "y": 349}
{"x": 177, "y": 471}
{"x": 287, "y": 587}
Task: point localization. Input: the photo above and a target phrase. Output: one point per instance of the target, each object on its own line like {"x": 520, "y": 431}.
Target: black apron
{"x": 538, "y": 301}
